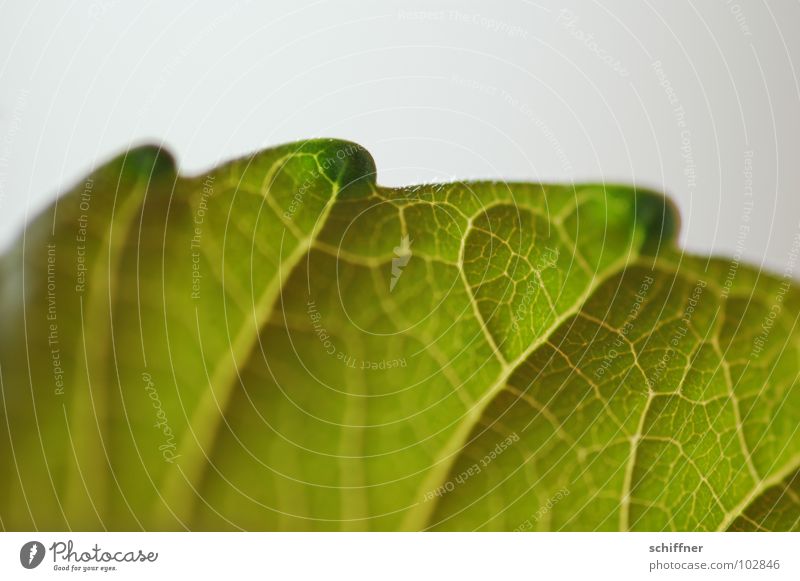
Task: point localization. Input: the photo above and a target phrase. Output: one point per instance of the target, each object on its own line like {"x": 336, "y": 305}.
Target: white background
{"x": 404, "y": 556}
{"x": 435, "y": 90}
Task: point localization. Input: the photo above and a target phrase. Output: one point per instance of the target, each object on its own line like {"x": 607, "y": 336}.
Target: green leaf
{"x": 282, "y": 344}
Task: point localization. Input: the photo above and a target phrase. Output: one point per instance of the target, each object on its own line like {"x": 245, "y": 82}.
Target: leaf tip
{"x": 149, "y": 160}
{"x": 347, "y": 163}
{"x": 659, "y": 217}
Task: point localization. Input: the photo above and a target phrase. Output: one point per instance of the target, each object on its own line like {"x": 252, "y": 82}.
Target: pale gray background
{"x": 434, "y": 89}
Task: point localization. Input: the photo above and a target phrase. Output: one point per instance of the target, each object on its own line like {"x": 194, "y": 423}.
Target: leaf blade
{"x": 282, "y": 344}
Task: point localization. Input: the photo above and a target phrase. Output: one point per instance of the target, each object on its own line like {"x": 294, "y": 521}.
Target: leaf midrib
{"x": 760, "y": 488}
{"x": 174, "y": 503}
{"x": 108, "y": 261}
{"x": 418, "y": 515}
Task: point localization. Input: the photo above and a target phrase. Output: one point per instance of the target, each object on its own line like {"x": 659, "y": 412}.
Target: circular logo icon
{"x": 31, "y": 554}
